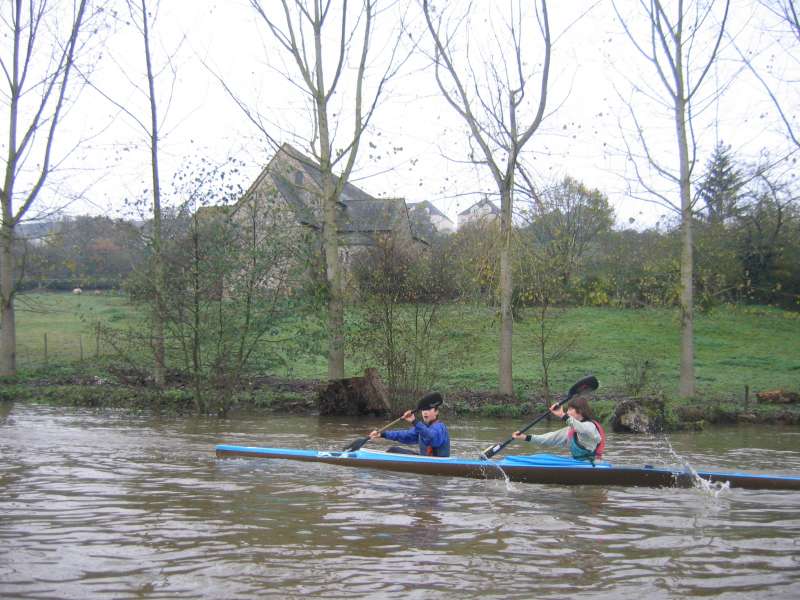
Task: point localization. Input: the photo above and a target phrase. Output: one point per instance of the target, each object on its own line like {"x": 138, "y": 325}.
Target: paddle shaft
{"x": 588, "y": 383}
{"x": 361, "y": 441}
{"x": 385, "y": 427}
{"x": 492, "y": 450}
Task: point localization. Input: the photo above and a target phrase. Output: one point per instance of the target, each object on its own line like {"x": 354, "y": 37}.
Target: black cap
{"x": 430, "y": 400}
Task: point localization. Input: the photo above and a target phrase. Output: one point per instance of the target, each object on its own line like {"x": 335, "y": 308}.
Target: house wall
{"x": 478, "y": 212}
{"x": 442, "y": 223}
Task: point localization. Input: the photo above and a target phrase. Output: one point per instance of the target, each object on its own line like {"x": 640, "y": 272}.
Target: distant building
{"x": 483, "y": 211}
{"x": 297, "y": 180}
{"x": 425, "y": 215}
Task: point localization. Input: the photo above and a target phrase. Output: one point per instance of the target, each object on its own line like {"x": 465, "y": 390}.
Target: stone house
{"x": 295, "y": 181}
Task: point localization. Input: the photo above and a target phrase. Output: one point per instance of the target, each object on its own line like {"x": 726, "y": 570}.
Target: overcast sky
{"x": 416, "y": 147}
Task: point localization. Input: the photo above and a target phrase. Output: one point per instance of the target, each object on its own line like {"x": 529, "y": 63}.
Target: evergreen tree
{"x": 720, "y": 188}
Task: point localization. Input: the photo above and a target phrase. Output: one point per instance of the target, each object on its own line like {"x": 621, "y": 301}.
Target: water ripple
{"x": 105, "y": 505}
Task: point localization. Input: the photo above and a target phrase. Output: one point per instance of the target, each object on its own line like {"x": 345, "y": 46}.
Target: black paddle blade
{"x": 356, "y": 445}
{"x": 584, "y": 385}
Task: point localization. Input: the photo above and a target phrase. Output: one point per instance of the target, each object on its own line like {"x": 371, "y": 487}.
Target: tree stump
{"x": 355, "y": 396}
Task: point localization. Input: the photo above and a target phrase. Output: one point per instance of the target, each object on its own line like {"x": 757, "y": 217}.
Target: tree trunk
{"x": 506, "y": 385}
{"x": 335, "y": 300}
{"x": 330, "y": 233}
{"x": 8, "y": 331}
{"x": 158, "y": 316}
{"x": 687, "y": 380}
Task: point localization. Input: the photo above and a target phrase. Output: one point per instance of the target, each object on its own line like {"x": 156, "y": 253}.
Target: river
{"x": 100, "y": 504}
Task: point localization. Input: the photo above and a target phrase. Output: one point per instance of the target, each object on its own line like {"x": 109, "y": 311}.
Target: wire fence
{"x": 53, "y": 348}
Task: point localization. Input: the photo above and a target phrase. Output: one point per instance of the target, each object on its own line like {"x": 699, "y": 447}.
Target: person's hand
{"x": 409, "y": 416}
{"x": 374, "y": 435}
{"x": 557, "y": 410}
{"x": 518, "y": 436}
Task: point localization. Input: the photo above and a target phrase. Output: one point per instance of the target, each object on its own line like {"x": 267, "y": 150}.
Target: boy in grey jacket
{"x": 583, "y": 436}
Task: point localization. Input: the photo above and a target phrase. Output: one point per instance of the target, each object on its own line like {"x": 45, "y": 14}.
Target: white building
{"x": 425, "y": 211}
{"x": 484, "y": 211}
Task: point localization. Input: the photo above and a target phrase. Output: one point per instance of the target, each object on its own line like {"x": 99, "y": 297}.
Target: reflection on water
{"x": 105, "y": 505}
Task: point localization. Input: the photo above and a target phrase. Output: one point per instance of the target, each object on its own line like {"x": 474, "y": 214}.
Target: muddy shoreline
{"x": 272, "y": 395}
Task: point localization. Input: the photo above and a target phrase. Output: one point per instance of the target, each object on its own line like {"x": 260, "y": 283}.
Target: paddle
{"x": 361, "y": 441}
{"x": 584, "y": 385}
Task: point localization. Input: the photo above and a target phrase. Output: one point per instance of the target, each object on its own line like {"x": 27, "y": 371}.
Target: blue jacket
{"x": 434, "y": 440}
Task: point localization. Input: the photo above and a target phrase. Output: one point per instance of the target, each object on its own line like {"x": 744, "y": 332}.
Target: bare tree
{"x": 37, "y": 61}
{"x": 682, "y": 45}
{"x": 143, "y": 17}
{"x": 491, "y": 98}
{"x": 320, "y": 36}
{"x": 785, "y": 32}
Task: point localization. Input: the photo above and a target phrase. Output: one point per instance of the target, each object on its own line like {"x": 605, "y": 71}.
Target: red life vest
{"x": 598, "y": 451}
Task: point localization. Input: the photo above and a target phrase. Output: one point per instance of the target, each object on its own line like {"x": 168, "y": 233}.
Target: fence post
{"x": 746, "y": 397}
{"x": 80, "y": 343}
{"x": 45, "y": 348}
{"x": 97, "y": 340}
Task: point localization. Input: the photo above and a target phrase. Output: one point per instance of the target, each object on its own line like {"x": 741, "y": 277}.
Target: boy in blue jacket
{"x": 430, "y": 433}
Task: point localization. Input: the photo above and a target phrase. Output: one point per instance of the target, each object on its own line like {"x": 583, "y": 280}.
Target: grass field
{"x": 68, "y": 321}
{"x": 734, "y": 346}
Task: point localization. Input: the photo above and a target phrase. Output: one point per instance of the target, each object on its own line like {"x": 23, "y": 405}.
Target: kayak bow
{"x": 536, "y": 468}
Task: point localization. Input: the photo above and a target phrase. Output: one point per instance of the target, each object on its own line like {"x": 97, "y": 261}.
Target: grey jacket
{"x": 587, "y": 433}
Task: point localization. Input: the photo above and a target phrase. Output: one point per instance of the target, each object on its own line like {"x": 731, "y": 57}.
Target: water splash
{"x": 488, "y": 464}
{"x": 509, "y": 485}
{"x": 712, "y": 489}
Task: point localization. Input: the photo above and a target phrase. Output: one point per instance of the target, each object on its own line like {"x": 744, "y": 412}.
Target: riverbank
{"x": 273, "y": 395}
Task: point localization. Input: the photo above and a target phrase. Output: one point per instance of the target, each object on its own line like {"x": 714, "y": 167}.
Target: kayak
{"x": 535, "y": 468}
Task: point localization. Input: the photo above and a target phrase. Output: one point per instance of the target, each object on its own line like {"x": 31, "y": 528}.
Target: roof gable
{"x": 485, "y": 203}
{"x": 425, "y": 204}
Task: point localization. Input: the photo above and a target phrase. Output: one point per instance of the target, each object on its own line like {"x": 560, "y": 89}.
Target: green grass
{"x": 734, "y": 346}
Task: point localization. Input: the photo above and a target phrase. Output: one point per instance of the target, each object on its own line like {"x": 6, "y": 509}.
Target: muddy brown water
{"x": 107, "y": 505}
